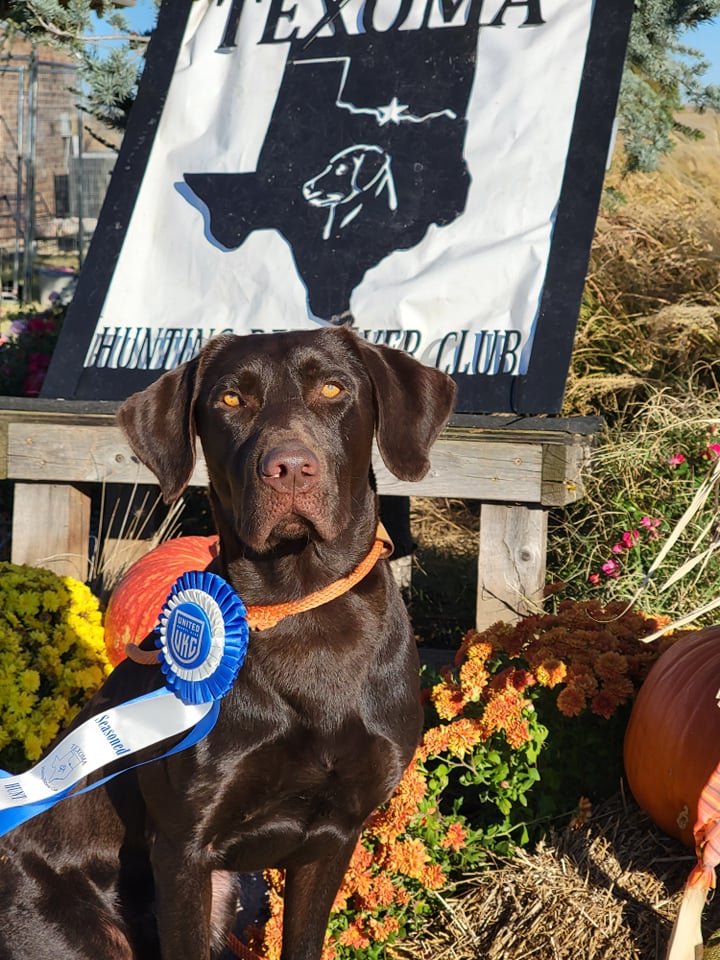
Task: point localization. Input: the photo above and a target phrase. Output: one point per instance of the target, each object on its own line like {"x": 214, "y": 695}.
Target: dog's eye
{"x": 231, "y": 399}
{"x": 330, "y": 391}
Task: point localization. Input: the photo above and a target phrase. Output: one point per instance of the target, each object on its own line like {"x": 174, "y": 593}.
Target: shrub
{"x": 52, "y": 658}
{"x": 26, "y": 347}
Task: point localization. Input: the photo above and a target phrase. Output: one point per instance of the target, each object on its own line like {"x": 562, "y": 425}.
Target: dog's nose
{"x": 289, "y": 468}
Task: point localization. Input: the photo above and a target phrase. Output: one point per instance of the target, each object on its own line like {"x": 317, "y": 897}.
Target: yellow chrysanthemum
{"x": 52, "y": 657}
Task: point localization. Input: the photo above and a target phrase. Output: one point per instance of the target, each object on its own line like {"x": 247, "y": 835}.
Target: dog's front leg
{"x": 310, "y": 890}
{"x": 183, "y": 902}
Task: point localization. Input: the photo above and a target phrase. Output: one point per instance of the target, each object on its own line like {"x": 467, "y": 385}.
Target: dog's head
{"x": 348, "y": 174}
{"x": 286, "y": 423}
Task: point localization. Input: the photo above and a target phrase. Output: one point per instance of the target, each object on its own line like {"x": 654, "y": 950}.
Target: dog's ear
{"x": 371, "y": 165}
{"x": 412, "y": 405}
{"x": 160, "y": 427}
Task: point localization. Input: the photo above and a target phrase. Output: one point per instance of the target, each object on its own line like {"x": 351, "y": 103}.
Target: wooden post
{"x": 51, "y": 528}
{"x": 511, "y": 562}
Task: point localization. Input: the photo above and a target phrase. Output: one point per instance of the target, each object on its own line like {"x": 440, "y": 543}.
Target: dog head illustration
{"x": 350, "y": 178}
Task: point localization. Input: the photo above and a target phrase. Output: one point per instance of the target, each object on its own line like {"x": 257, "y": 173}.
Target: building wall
{"x": 55, "y": 145}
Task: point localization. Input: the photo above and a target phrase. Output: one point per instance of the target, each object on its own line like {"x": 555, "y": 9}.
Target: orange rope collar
{"x": 262, "y": 617}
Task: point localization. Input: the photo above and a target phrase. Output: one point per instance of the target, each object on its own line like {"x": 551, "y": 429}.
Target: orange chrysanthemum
{"x": 550, "y": 672}
{"x": 408, "y": 857}
{"x": 354, "y": 936}
{"x": 571, "y": 701}
{"x": 435, "y": 741}
{"x": 454, "y": 838}
{"x": 449, "y": 699}
{"x": 382, "y": 929}
{"x": 432, "y": 877}
{"x": 610, "y": 665}
{"x": 473, "y": 678}
{"x": 463, "y": 735}
{"x": 503, "y": 714}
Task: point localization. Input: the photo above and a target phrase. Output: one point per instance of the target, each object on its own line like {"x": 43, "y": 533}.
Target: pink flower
{"x": 611, "y": 568}
{"x": 37, "y": 367}
{"x": 675, "y": 459}
{"x": 713, "y": 450}
{"x": 40, "y": 324}
{"x": 618, "y": 547}
{"x": 594, "y": 579}
{"x": 651, "y": 524}
{"x": 630, "y": 538}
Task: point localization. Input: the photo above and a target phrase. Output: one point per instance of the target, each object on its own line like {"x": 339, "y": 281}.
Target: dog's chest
{"x": 284, "y": 797}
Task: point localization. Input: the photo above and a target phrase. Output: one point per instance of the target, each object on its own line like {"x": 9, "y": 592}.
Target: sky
{"x": 705, "y": 38}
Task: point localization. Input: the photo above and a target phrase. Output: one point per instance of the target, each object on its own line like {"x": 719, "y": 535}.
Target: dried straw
{"x": 607, "y": 891}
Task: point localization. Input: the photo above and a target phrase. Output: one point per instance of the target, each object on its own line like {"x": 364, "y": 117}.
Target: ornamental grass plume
{"x": 52, "y": 659}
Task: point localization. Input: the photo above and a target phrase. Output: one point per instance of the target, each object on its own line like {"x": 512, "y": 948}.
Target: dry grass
{"x": 646, "y": 358}
{"x": 651, "y": 309}
{"x": 444, "y": 568}
{"x": 629, "y": 478}
{"x": 606, "y": 891}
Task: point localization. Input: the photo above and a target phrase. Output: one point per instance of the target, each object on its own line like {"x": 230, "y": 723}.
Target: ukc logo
{"x": 188, "y": 635}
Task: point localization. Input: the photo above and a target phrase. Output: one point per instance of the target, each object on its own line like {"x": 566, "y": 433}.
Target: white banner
{"x": 396, "y": 161}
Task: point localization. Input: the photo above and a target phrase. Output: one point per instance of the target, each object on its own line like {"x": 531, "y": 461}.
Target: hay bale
{"x": 608, "y": 890}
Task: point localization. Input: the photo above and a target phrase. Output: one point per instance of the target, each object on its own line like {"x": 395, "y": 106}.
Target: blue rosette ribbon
{"x": 202, "y": 637}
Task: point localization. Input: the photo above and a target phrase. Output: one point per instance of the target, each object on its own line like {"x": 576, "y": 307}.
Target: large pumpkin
{"x": 672, "y": 742}
{"x": 136, "y": 601}
{"x": 672, "y": 762}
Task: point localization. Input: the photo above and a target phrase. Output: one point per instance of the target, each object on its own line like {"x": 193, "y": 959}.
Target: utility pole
{"x": 19, "y": 179}
{"x": 30, "y": 163}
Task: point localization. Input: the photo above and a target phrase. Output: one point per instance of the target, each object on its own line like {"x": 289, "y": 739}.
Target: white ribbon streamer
{"x": 116, "y": 732}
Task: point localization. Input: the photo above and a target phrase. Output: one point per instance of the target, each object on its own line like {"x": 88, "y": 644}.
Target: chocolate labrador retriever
{"x": 324, "y": 715}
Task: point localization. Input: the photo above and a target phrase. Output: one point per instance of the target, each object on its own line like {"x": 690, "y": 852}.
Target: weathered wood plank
{"x": 511, "y": 562}
{"x": 480, "y": 471}
{"x": 51, "y": 528}
{"x": 562, "y": 475}
{"x": 478, "y": 423}
{"x": 514, "y": 466}
{"x": 97, "y": 454}
{"x": 80, "y": 454}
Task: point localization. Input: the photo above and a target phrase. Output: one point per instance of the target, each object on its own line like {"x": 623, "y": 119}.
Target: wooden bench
{"x": 517, "y": 467}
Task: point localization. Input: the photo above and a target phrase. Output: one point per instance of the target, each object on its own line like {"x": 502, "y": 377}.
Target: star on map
{"x": 392, "y": 113}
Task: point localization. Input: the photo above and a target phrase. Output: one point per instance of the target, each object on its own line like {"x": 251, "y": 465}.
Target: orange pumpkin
{"x": 672, "y": 742}
{"x": 672, "y": 762}
{"x": 137, "y": 600}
